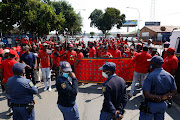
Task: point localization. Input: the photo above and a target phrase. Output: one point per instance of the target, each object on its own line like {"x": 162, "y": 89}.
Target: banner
{"x": 87, "y": 71}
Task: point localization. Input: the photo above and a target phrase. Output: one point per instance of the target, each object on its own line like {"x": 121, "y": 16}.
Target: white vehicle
{"x": 175, "y": 42}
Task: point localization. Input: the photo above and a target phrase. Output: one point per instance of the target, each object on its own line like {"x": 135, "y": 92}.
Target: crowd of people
{"x": 49, "y": 54}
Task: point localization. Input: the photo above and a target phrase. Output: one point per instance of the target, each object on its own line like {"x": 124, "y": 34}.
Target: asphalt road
{"x": 89, "y": 101}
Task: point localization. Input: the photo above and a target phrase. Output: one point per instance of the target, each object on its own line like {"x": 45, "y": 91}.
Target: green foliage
{"x": 92, "y": 34}
{"x": 73, "y": 21}
{"x": 105, "y": 21}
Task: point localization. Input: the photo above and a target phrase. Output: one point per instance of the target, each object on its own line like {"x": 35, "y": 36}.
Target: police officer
{"x": 115, "y": 95}
{"x": 158, "y": 87}
{"x": 67, "y": 87}
{"x": 21, "y": 91}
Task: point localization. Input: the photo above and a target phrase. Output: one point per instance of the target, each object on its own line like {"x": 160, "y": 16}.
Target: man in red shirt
{"x": 44, "y": 58}
{"x": 170, "y": 62}
{"x": 18, "y": 48}
{"x": 92, "y": 51}
{"x": 105, "y": 53}
{"x": 79, "y": 55}
{"x": 71, "y": 56}
{"x": 22, "y": 50}
{"x": 6, "y": 73}
{"x": 116, "y": 53}
{"x": 141, "y": 68}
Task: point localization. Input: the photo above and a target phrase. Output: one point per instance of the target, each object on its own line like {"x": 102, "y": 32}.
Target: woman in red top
{"x": 105, "y": 53}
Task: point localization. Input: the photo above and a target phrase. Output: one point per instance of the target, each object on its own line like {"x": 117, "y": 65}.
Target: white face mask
{"x": 104, "y": 75}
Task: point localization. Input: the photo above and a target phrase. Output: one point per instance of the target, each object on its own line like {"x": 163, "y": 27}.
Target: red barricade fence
{"x": 87, "y": 71}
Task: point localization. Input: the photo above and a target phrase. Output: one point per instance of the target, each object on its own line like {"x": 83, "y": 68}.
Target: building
{"x": 157, "y": 33}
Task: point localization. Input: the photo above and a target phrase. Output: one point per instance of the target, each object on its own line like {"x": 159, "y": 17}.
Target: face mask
{"x": 66, "y": 75}
{"x": 104, "y": 75}
{"x": 152, "y": 66}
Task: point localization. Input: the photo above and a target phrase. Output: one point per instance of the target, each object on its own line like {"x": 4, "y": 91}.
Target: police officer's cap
{"x": 157, "y": 59}
{"x": 65, "y": 66}
{"x": 18, "y": 67}
{"x": 108, "y": 66}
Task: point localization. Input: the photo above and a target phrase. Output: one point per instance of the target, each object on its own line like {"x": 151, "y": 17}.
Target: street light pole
{"x": 138, "y": 19}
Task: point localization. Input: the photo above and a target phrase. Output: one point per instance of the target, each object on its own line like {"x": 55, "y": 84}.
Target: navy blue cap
{"x": 108, "y": 66}
{"x": 18, "y": 67}
{"x": 65, "y": 66}
{"x": 157, "y": 59}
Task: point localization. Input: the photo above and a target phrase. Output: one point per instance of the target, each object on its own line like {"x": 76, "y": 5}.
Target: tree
{"x": 31, "y": 16}
{"x": 73, "y": 21}
{"x": 92, "y": 34}
{"x": 105, "y": 21}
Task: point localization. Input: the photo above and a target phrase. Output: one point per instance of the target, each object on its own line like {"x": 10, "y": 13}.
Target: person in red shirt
{"x": 170, "y": 62}
{"x": 141, "y": 68}
{"x": 62, "y": 53}
{"x": 71, "y": 56}
{"x": 79, "y": 55}
{"x": 92, "y": 51}
{"x": 18, "y": 48}
{"x": 22, "y": 50}
{"x": 105, "y": 53}
{"x": 116, "y": 53}
{"x": 44, "y": 58}
{"x": 6, "y": 72}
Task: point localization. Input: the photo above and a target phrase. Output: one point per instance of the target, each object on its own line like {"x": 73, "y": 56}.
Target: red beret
{"x": 171, "y": 50}
{"x": 7, "y": 48}
{"x": 12, "y": 52}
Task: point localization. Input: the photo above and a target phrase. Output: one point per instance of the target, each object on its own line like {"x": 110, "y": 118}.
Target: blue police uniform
{"x": 115, "y": 96}
{"x": 21, "y": 91}
{"x": 158, "y": 82}
{"x": 67, "y": 91}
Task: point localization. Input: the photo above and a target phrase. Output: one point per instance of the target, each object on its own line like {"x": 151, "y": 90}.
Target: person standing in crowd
{"x": 9, "y": 40}
{"x": 67, "y": 87}
{"x": 22, "y": 50}
{"x": 79, "y": 55}
{"x": 166, "y": 46}
{"x": 6, "y": 72}
{"x": 71, "y": 56}
{"x": 5, "y": 54}
{"x": 105, "y": 53}
{"x": 31, "y": 63}
{"x": 141, "y": 68}
{"x": 158, "y": 87}
{"x": 170, "y": 62}
{"x": 21, "y": 92}
{"x": 18, "y": 48}
{"x": 46, "y": 66}
{"x": 115, "y": 95}
{"x": 154, "y": 52}
{"x": 115, "y": 52}
{"x": 92, "y": 51}
{"x": 85, "y": 51}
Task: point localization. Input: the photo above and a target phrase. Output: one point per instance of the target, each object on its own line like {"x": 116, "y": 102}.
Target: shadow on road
{"x": 91, "y": 89}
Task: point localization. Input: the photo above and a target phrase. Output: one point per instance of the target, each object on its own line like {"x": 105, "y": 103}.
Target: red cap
{"x": 171, "y": 50}
{"x": 13, "y": 52}
{"x": 34, "y": 46}
{"x": 71, "y": 45}
{"x": 7, "y": 48}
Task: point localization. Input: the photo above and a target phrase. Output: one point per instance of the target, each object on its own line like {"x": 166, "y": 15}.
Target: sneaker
{"x": 45, "y": 88}
{"x": 130, "y": 95}
{"x": 49, "y": 89}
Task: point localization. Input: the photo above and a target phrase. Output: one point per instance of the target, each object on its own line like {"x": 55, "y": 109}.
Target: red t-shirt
{"x": 56, "y": 59}
{"x": 63, "y": 58}
{"x": 92, "y": 52}
{"x": 18, "y": 48}
{"x": 105, "y": 55}
{"x": 116, "y": 53}
{"x": 80, "y": 56}
{"x": 142, "y": 65}
{"x": 21, "y": 52}
{"x": 44, "y": 58}
{"x": 7, "y": 65}
{"x": 170, "y": 63}
{"x": 71, "y": 57}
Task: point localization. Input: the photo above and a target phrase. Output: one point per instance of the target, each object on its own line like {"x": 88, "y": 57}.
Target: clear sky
{"x": 166, "y": 11}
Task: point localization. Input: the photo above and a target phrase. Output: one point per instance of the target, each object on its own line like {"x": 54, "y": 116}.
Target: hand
{"x": 72, "y": 75}
{"x": 28, "y": 66}
{"x": 166, "y": 96}
{"x": 35, "y": 67}
{"x": 119, "y": 117}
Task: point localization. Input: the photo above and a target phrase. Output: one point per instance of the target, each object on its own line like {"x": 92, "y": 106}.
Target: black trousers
{"x": 30, "y": 75}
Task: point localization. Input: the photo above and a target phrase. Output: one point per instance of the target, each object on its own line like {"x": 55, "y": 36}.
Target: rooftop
{"x": 158, "y": 28}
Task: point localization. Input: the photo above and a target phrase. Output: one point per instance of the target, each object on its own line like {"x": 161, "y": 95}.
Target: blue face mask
{"x": 152, "y": 66}
{"x": 66, "y": 75}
